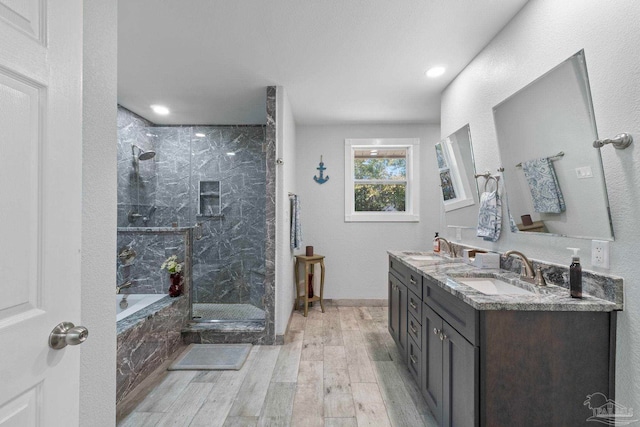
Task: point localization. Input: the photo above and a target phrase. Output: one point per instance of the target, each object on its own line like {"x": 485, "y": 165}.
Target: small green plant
{"x": 172, "y": 265}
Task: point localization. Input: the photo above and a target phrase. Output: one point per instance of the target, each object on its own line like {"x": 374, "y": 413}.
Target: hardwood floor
{"x": 337, "y": 369}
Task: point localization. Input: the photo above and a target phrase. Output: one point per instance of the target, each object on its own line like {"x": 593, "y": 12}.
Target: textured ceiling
{"x": 340, "y": 61}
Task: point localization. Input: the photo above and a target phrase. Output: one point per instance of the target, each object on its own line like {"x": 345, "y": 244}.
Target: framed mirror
{"x": 553, "y": 176}
{"x": 459, "y": 188}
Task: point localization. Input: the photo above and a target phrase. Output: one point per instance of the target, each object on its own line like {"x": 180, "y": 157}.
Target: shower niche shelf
{"x": 209, "y": 199}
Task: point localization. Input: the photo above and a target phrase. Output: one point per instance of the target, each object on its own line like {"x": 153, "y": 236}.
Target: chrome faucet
{"x": 450, "y": 250}
{"x": 126, "y": 284}
{"x": 526, "y": 269}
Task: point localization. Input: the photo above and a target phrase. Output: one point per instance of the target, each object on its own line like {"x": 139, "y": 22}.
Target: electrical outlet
{"x": 600, "y": 253}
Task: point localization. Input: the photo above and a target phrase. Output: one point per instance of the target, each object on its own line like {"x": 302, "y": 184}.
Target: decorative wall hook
{"x": 620, "y": 141}
{"x": 322, "y": 179}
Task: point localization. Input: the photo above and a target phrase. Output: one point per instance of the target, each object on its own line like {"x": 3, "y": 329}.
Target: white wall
{"x": 98, "y": 353}
{"x": 356, "y": 257}
{"x": 543, "y": 34}
{"x": 285, "y": 183}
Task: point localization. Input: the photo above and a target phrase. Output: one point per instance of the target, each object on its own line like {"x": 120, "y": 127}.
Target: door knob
{"x": 66, "y": 333}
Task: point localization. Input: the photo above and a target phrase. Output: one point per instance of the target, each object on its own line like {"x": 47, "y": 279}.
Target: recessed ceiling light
{"x": 160, "y": 109}
{"x": 200, "y": 135}
{"x": 435, "y": 71}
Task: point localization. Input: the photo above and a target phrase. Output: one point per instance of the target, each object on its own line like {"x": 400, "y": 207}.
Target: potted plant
{"x": 174, "y": 268}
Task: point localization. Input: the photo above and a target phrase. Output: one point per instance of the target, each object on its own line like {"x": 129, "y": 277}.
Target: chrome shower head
{"x": 146, "y": 155}
{"x": 142, "y": 155}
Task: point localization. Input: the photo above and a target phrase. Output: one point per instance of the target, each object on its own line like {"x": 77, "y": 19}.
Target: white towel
{"x": 296, "y": 228}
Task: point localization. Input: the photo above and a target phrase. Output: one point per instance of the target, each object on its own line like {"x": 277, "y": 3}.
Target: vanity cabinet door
{"x": 398, "y": 313}
{"x": 403, "y": 314}
{"x": 394, "y": 306}
{"x": 431, "y": 369}
{"x": 460, "y": 380}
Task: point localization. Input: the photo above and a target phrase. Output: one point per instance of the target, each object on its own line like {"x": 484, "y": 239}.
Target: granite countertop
{"x": 547, "y": 298}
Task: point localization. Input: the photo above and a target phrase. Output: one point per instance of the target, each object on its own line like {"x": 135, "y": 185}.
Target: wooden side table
{"x": 301, "y": 285}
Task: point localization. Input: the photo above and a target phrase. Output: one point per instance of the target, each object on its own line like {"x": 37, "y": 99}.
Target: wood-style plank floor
{"x": 340, "y": 368}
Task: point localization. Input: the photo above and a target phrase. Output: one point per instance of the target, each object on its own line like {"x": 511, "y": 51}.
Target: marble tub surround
{"x": 550, "y": 298}
{"x": 147, "y": 339}
{"x": 147, "y": 312}
{"x": 152, "y": 246}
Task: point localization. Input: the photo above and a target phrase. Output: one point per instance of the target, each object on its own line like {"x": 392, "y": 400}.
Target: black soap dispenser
{"x": 575, "y": 275}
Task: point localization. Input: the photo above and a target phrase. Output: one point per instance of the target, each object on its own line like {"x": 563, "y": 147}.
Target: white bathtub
{"x": 136, "y": 302}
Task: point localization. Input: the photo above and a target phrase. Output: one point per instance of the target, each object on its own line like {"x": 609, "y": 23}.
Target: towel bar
{"x": 556, "y": 157}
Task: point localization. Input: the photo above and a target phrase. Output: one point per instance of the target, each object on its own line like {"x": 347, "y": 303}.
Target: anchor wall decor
{"x": 322, "y": 179}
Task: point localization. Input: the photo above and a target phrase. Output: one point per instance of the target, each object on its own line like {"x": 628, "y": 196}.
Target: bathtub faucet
{"x": 126, "y": 284}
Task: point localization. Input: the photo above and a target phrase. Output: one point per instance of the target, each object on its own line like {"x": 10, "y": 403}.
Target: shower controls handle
{"x": 197, "y": 231}
{"x": 66, "y": 333}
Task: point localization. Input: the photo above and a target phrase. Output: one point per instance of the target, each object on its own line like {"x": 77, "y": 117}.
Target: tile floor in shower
{"x": 222, "y": 312}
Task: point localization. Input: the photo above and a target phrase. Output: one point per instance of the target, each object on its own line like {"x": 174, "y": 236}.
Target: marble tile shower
{"x": 228, "y": 264}
{"x": 229, "y": 260}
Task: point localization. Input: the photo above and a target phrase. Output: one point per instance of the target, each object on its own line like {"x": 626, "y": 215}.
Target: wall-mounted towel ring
{"x": 620, "y": 141}
{"x": 488, "y": 177}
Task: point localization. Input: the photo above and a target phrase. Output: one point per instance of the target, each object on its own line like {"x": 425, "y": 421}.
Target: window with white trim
{"x": 382, "y": 180}
{"x": 454, "y": 183}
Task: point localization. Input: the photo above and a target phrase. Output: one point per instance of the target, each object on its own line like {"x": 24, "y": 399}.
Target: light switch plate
{"x": 600, "y": 253}
{"x": 584, "y": 172}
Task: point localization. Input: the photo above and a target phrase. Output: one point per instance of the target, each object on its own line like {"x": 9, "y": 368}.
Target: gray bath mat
{"x": 212, "y": 357}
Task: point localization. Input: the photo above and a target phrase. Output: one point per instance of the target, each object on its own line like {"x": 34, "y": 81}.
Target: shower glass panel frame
{"x": 229, "y": 259}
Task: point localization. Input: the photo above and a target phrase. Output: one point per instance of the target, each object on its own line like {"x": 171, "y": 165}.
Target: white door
{"x": 40, "y": 208}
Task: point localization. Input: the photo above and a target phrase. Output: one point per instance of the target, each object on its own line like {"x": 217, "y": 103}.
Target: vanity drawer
{"x": 414, "y": 330}
{"x": 458, "y": 314}
{"x": 414, "y": 305}
{"x": 414, "y": 359}
{"x": 414, "y": 283}
{"x": 398, "y": 269}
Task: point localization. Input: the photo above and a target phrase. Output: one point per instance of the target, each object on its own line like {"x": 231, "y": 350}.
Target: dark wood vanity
{"x": 506, "y": 367}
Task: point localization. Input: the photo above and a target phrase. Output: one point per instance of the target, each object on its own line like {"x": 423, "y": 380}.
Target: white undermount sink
{"x": 426, "y": 258}
{"x": 492, "y": 286}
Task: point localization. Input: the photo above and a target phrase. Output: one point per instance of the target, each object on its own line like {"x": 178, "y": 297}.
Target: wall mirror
{"x": 553, "y": 176}
{"x": 456, "y": 169}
